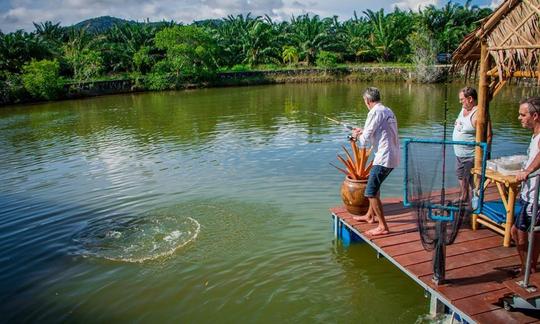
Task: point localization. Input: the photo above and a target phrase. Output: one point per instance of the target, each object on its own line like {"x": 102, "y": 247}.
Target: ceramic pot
{"x": 352, "y": 194}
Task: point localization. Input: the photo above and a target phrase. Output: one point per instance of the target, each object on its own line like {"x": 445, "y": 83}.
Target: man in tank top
{"x": 529, "y": 116}
{"x": 465, "y": 131}
{"x": 381, "y": 131}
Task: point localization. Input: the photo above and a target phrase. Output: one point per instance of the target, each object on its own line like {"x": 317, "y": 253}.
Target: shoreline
{"x": 262, "y": 77}
{"x": 243, "y": 78}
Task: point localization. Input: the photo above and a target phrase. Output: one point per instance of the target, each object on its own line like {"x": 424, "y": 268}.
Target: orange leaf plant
{"x": 356, "y": 166}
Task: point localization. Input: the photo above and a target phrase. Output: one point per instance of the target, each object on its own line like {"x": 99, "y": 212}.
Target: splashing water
{"x": 128, "y": 239}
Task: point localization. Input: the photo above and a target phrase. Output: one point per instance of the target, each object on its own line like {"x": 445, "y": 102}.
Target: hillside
{"x": 101, "y": 24}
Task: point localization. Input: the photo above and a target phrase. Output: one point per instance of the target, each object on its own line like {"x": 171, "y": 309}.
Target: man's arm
{"x": 372, "y": 123}
{"x": 535, "y": 165}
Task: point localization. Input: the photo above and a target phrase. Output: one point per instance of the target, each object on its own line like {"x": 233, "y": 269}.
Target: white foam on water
{"x": 139, "y": 240}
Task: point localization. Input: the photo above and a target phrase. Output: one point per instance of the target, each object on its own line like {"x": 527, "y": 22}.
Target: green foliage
{"x": 389, "y": 33}
{"x": 327, "y": 59}
{"x": 160, "y": 77}
{"x": 42, "y": 79}
{"x": 310, "y": 35}
{"x": 166, "y": 55}
{"x": 82, "y": 54}
{"x": 130, "y": 47}
{"x": 356, "y": 38}
{"x": 18, "y": 48}
{"x": 11, "y": 88}
{"x": 452, "y": 22}
{"x": 142, "y": 59}
{"x": 289, "y": 54}
{"x": 190, "y": 52}
{"x": 101, "y": 24}
{"x": 240, "y": 68}
{"x": 424, "y": 55}
{"x": 247, "y": 40}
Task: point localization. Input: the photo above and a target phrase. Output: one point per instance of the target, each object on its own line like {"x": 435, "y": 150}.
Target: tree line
{"x": 165, "y": 55}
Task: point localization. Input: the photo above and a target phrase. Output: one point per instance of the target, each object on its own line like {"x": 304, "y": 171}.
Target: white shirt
{"x": 527, "y": 188}
{"x": 381, "y": 131}
{"x": 464, "y": 131}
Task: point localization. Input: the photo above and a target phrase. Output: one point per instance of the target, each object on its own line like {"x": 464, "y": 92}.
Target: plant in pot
{"x": 356, "y": 175}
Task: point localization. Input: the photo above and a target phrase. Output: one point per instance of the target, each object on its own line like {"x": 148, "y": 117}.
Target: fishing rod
{"x": 347, "y": 126}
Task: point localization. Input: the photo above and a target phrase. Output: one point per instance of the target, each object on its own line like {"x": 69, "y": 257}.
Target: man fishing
{"x": 380, "y": 130}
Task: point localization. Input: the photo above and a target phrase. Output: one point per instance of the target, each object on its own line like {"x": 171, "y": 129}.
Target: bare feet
{"x": 367, "y": 218}
{"x": 378, "y": 231}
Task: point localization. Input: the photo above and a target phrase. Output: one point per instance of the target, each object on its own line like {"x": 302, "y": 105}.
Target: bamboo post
{"x": 483, "y": 102}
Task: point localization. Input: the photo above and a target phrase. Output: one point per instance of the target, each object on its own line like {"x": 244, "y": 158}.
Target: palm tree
{"x": 123, "y": 42}
{"x": 18, "y": 48}
{"x": 309, "y": 35}
{"x": 82, "y": 51}
{"x": 356, "y": 34}
{"x": 248, "y": 40}
{"x": 289, "y": 54}
{"x": 389, "y": 33}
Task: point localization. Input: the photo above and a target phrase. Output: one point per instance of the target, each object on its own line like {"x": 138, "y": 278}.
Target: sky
{"x": 19, "y": 14}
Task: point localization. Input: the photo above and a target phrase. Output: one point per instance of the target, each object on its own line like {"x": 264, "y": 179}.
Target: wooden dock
{"x": 476, "y": 264}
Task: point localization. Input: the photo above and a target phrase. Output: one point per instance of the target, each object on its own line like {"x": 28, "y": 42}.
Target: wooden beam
{"x": 496, "y": 17}
{"x": 500, "y": 48}
{"x": 498, "y": 88}
{"x": 516, "y": 74}
{"x": 533, "y": 7}
{"x": 532, "y": 13}
{"x": 483, "y": 103}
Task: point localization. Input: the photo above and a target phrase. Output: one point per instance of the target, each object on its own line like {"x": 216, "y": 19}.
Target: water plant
{"x": 356, "y": 165}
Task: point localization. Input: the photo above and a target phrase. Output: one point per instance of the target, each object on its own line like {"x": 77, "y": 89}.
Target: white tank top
{"x": 464, "y": 131}
{"x": 527, "y": 189}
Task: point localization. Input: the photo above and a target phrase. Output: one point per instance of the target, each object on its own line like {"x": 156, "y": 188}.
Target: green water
{"x": 207, "y": 205}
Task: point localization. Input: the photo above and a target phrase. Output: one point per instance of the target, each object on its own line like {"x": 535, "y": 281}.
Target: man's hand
{"x": 522, "y": 175}
{"x": 356, "y": 132}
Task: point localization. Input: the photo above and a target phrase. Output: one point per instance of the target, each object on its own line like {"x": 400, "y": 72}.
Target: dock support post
{"x": 436, "y": 307}
{"x": 335, "y": 219}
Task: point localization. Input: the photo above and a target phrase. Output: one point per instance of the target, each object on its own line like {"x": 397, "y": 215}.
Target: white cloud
{"x": 495, "y": 3}
{"x": 414, "y": 5}
{"x": 17, "y": 14}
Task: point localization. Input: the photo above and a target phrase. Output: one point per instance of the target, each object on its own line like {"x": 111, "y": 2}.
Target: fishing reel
{"x": 351, "y": 138}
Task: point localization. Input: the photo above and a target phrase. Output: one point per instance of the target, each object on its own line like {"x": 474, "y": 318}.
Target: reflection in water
{"x": 124, "y": 176}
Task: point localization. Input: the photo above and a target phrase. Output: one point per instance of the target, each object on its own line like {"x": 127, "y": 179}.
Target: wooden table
{"x": 508, "y": 188}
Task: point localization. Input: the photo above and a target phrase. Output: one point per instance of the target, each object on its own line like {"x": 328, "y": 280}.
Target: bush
{"x": 240, "y": 68}
{"x": 11, "y": 88}
{"x": 160, "y": 77}
{"x": 326, "y": 59}
{"x": 424, "y": 56}
{"x": 42, "y": 79}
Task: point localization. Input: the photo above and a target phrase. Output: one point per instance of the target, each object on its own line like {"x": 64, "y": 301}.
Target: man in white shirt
{"x": 380, "y": 130}
{"x": 529, "y": 116}
{"x": 465, "y": 131}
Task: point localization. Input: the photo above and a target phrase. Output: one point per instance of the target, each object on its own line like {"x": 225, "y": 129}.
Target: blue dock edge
{"x": 438, "y": 304}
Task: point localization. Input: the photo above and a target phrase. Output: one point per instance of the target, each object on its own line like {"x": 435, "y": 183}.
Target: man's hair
{"x": 372, "y": 94}
{"x": 533, "y": 104}
{"x": 469, "y": 92}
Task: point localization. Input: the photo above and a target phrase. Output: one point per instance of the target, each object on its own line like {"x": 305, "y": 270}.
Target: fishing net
{"x": 433, "y": 190}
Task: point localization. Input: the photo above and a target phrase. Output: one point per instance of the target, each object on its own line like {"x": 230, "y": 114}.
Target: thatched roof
{"x": 512, "y": 35}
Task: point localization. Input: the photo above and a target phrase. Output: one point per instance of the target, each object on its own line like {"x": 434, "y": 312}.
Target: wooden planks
{"x": 476, "y": 264}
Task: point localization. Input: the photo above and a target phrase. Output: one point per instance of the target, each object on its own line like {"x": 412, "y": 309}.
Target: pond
{"x": 205, "y": 205}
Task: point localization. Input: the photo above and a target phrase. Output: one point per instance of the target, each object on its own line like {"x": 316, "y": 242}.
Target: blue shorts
{"x": 376, "y": 177}
{"x": 523, "y": 220}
